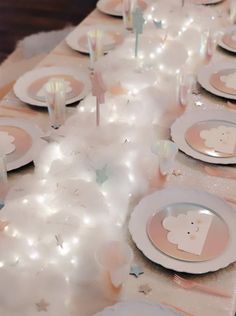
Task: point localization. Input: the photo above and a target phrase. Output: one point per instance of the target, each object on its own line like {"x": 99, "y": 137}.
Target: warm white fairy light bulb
{"x": 30, "y": 242}
{"x": 41, "y": 198}
{"x": 87, "y": 220}
{"x": 34, "y": 255}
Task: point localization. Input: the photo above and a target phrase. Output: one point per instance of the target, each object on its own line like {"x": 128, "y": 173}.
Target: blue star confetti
{"x": 101, "y": 175}
{"x": 158, "y": 24}
{"x": 136, "y": 271}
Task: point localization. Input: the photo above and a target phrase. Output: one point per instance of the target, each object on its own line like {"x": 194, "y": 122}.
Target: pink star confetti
{"x": 145, "y": 289}
{"x": 42, "y": 306}
{"x": 177, "y": 173}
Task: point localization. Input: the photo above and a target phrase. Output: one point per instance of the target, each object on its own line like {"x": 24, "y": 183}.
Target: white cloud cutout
{"x": 229, "y": 80}
{"x": 221, "y": 139}
{"x": 6, "y": 146}
{"x": 188, "y": 231}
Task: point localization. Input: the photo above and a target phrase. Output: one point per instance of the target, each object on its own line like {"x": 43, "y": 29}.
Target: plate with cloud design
{"x": 163, "y": 208}
{"x": 209, "y": 135}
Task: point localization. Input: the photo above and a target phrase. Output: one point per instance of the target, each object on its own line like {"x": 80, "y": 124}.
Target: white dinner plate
{"x": 27, "y": 141}
{"x": 114, "y": 7}
{"x": 78, "y": 78}
{"x": 154, "y": 203}
{"x": 112, "y": 35}
{"x": 223, "y": 42}
{"x": 183, "y": 124}
{"x": 207, "y": 2}
{"x": 137, "y": 308}
{"x": 204, "y": 76}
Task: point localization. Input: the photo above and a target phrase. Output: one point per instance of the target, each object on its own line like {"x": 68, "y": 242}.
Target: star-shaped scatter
{"x": 145, "y": 289}
{"x": 198, "y": 103}
{"x": 177, "y": 173}
{"x": 42, "y": 306}
{"x": 3, "y": 225}
{"x": 101, "y": 175}
{"x": 136, "y": 271}
{"x": 59, "y": 240}
{"x": 158, "y": 24}
{"x": 76, "y": 192}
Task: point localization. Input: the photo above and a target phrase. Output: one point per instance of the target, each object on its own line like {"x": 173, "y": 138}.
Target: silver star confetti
{"x": 59, "y": 240}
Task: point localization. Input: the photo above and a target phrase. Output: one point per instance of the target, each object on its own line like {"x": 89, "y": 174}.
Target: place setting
{"x": 111, "y": 37}
{"x": 30, "y": 87}
{"x": 129, "y": 209}
{"x": 219, "y": 79}
{"x": 177, "y": 228}
{"x": 20, "y": 142}
{"x": 207, "y": 135}
{"x": 115, "y": 7}
{"x": 228, "y": 39}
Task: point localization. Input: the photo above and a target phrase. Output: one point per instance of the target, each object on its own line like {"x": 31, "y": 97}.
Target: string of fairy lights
{"x": 86, "y": 180}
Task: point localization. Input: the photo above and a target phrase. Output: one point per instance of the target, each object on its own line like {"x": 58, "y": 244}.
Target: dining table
{"x": 51, "y": 269}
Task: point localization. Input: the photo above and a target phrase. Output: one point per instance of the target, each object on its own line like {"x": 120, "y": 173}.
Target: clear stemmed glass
{"x": 55, "y": 92}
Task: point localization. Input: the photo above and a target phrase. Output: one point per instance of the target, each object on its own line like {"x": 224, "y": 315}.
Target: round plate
{"x": 226, "y": 41}
{"x": 160, "y": 200}
{"x": 205, "y": 75}
{"x": 193, "y": 224}
{"x": 207, "y": 2}
{"x": 114, "y": 7}
{"x": 217, "y": 82}
{"x": 77, "y": 39}
{"x": 29, "y": 87}
{"x": 186, "y": 130}
{"x": 137, "y": 308}
{"x": 26, "y": 140}
{"x": 198, "y": 143}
